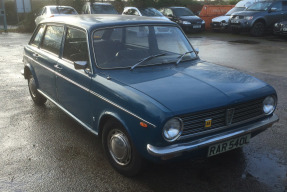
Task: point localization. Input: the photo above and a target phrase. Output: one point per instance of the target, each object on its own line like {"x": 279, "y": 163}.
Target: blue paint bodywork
{"x": 150, "y": 94}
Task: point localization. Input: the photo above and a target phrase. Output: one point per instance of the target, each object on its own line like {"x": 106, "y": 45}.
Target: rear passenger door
{"x": 46, "y": 57}
{"x": 73, "y": 85}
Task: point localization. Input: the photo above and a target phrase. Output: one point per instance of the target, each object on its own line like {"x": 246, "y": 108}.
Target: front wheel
{"x": 257, "y": 29}
{"x": 36, "y": 96}
{"x": 119, "y": 149}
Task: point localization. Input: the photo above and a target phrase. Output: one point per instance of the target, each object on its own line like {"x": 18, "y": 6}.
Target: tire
{"x": 36, "y": 96}
{"x": 257, "y": 29}
{"x": 120, "y": 150}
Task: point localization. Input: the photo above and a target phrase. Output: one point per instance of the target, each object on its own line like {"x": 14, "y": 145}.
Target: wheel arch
{"x": 259, "y": 20}
{"x": 109, "y": 116}
{"x": 28, "y": 70}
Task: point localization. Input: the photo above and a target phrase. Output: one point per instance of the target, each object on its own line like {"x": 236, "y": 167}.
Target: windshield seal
{"x": 169, "y": 61}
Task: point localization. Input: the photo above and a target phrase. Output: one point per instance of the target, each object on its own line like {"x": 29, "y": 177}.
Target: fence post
{"x": 2, "y": 2}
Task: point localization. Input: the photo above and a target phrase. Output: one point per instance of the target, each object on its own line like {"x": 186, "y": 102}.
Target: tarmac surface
{"x": 43, "y": 149}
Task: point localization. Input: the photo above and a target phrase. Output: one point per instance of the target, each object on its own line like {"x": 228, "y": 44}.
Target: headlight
{"x": 172, "y": 129}
{"x": 248, "y": 17}
{"x": 186, "y": 22}
{"x": 202, "y": 22}
{"x": 269, "y": 105}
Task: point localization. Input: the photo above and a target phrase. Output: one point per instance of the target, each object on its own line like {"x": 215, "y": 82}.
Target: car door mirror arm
{"x": 80, "y": 64}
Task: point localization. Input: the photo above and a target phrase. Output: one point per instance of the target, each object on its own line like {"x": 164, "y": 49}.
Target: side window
{"x": 126, "y": 12}
{"x": 53, "y": 39}
{"x": 168, "y": 12}
{"x": 37, "y": 38}
{"x": 278, "y": 6}
{"x": 136, "y": 13}
{"x": 76, "y": 47}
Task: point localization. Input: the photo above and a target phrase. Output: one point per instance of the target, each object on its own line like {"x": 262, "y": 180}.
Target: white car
{"x": 148, "y": 12}
{"x": 53, "y": 11}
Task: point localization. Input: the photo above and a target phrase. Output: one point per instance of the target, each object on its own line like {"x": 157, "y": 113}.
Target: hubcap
{"x": 32, "y": 87}
{"x": 119, "y": 147}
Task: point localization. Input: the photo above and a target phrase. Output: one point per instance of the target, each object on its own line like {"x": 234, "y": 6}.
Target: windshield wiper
{"x": 145, "y": 59}
{"x": 181, "y": 56}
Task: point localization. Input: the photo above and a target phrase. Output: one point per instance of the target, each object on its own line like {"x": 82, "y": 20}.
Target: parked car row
{"x": 256, "y": 18}
{"x": 252, "y": 16}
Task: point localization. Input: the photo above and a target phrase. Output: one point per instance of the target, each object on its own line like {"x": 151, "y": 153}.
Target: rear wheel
{"x": 119, "y": 149}
{"x": 257, "y": 29}
{"x": 36, "y": 96}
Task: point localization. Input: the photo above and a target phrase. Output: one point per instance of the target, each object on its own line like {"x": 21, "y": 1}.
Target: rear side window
{"x": 76, "y": 47}
{"x": 37, "y": 38}
{"x": 53, "y": 39}
{"x": 284, "y": 3}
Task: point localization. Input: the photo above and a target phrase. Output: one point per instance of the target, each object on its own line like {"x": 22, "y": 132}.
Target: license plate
{"x": 234, "y": 21}
{"x": 196, "y": 26}
{"x": 228, "y": 145}
{"x": 284, "y": 29}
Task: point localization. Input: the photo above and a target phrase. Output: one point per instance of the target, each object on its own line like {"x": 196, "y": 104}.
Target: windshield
{"x": 150, "y": 12}
{"x": 127, "y": 47}
{"x": 259, "y": 6}
{"x": 182, "y": 12}
{"x": 63, "y": 10}
{"x": 233, "y": 10}
{"x": 103, "y": 9}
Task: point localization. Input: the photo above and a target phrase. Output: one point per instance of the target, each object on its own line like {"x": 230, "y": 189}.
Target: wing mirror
{"x": 196, "y": 50}
{"x": 80, "y": 64}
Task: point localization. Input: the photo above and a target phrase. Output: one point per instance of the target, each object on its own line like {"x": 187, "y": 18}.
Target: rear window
{"x": 104, "y": 9}
{"x": 38, "y": 36}
{"x": 63, "y": 10}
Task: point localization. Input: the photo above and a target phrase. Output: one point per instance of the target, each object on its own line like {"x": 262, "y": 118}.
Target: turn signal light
{"x": 143, "y": 124}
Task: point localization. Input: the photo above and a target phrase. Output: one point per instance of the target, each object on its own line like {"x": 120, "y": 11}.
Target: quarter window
{"x": 53, "y": 39}
{"x": 37, "y": 38}
{"x": 75, "y": 48}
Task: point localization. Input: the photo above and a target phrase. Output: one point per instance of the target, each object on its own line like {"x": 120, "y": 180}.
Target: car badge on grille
{"x": 229, "y": 116}
{"x": 207, "y": 123}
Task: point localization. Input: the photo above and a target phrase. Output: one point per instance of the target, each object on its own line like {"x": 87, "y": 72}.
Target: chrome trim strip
{"x": 210, "y": 140}
{"x": 68, "y": 113}
{"x": 94, "y": 93}
{"x": 219, "y": 128}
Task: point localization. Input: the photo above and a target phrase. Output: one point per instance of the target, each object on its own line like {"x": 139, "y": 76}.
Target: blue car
{"x": 147, "y": 95}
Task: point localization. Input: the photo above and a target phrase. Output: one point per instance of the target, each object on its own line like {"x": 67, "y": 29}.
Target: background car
{"x": 259, "y": 17}
{"x": 222, "y": 22}
{"x": 183, "y": 16}
{"x": 280, "y": 28}
{"x": 148, "y": 12}
{"x": 98, "y": 8}
{"x": 53, "y": 11}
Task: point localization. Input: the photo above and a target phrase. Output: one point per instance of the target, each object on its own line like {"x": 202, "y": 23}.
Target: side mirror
{"x": 196, "y": 51}
{"x": 80, "y": 64}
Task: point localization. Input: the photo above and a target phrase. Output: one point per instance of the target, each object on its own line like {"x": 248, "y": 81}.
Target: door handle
{"x": 58, "y": 67}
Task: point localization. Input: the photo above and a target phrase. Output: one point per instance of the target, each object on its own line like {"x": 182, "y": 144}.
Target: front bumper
{"x": 177, "y": 149}
{"x": 192, "y": 27}
{"x": 219, "y": 25}
{"x": 240, "y": 25}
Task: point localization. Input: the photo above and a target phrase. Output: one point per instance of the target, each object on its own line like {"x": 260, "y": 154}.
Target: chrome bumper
{"x": 174, "y": 150}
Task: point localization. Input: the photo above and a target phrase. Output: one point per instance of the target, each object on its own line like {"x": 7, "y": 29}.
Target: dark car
{"x": 98, "y": 8}
{"x": 183, "y": 16}
{"x": 280, "y": 28}
{"x": 147, "y": 95}
{"x": 259, "y": 17}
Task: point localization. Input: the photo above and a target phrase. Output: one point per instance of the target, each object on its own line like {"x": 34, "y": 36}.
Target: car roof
{"x": 90, "y": 22}
{"x": 53, "y": 6}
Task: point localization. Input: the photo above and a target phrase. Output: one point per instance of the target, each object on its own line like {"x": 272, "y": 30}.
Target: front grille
{"x": 195, "y": 122}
